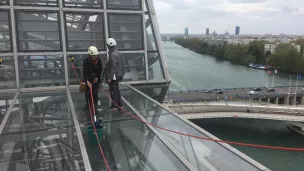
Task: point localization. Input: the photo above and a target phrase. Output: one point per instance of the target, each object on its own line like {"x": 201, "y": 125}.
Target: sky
{"x": 253, "y": 16}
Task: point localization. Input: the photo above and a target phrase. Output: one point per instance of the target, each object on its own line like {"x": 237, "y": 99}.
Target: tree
{"x": 301, "y": 43}
{"x": 286, "y": 58}
{"x": 256, "y": 48}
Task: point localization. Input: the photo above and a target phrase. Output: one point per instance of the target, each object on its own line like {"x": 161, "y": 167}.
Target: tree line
{"x": 286, "y": 57}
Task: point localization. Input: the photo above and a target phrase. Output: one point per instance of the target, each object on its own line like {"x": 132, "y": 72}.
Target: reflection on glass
{"x": 3, "y": 2}
{"x": 37, "y": 2}
{"x": 5, "y": 101}
{"x": 83, "y": 3}
{"x": 134, "y": 66}
{"x": 5, "y": 38}
{"x": 78, "y": 65}
{"x": 143, "y": 105}
{"x": 41, "y": 71}
{"x": 124, "y": 4}
{"x": 200, "y": 153}
{"x": 156, "y": 93}
{"x": 40, "y": 135}
{"x": 84, "y": 30}
{"x": 38, "y": 31}
{"x": 7, "y": 73}
{"x": 151, "y": 40}
{"x": 126, "y": 29}
{"x": 156, "y": 70}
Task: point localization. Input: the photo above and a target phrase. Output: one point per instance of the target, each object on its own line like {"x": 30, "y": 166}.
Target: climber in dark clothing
{"x": 92, "y": 68}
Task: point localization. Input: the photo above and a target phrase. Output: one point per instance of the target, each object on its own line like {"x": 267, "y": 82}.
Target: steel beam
{"x": 14, "y": 40}
{"x": 83, "y": 150}
{"x": 144, "y": 29}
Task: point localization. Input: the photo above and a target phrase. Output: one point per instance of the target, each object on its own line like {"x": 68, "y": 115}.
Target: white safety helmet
{"x": 93, "y": 50}
{"x": 111, "y": 42}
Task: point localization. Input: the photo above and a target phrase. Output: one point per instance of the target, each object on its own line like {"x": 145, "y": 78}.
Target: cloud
{"x": 253, "y": 16}
{"x": 287, "y": 9}
{"x": 245, "y": 1}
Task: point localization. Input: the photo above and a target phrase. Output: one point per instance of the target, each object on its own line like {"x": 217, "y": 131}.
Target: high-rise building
{"x": 237, "y": 30}
{"x": 186, "y": 31}
{"x": 207, "y": 31}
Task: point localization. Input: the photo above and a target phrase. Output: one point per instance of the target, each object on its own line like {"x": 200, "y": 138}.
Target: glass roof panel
{"x": 127, "y": 143}
{"x": 5, "y": 101}
{"x": 202, "y": 154}
{"x": 40, "y": 135}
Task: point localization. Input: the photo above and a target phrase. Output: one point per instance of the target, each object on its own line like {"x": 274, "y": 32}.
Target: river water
{"x": 189, "y": 71}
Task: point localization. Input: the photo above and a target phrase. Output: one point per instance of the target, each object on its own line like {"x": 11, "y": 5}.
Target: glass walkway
{"x": 47, "y": 131}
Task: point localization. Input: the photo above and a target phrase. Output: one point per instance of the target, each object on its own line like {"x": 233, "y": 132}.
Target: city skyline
{"x": 254, "y": 16}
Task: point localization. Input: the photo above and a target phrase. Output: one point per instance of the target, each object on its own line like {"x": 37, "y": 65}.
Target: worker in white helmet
{"x": 115, "y": 72}
{"x": 92, "y": 68}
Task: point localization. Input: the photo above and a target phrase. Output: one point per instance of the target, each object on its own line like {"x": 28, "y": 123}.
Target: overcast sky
{"x": 253, "y": 16}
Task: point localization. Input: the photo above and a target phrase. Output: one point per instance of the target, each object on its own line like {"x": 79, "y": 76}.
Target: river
{"x": 189, "y": 70}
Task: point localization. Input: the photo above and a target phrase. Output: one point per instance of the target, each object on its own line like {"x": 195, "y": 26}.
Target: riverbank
{"x": 286, "y": 57}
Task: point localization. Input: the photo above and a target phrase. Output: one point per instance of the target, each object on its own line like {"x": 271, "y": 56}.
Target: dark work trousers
{"x": 95, "y": 89}
{"x": 115, "y": 93}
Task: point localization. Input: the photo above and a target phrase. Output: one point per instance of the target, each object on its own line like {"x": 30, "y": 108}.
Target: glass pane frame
{"x": 17, "y": 12}
{"x": 100, "y": 48}
{"x": 141, "y": 26}
{"x": 10, "y": 49}
{"x": 35, "y": 68}
{"x": 54, "y": 2}
{"x": 147, "y": 30}
{"x": 155, "y": 63}
{"x": 140, "y": 66}
{"x": 118, "y": 8}
{"x": 89, "y": 7}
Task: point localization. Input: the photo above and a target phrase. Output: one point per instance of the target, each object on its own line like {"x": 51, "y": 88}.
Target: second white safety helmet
{"x": 93, "y": 51}
{"x": 111, "y": 42}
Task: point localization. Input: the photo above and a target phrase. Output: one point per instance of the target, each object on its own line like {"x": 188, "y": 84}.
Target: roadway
{"x": 235, "y": 93}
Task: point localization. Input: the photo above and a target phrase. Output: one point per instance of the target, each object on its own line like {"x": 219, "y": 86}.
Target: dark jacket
{"x": 91, "y": 71}
{"x": 115, "y": 65}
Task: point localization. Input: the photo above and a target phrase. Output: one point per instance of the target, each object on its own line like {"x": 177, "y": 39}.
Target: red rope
{"x": 204, "y": 138}
{"x": 184, "y": 134}
{"x": 76, "y": 73}
{"x": 100, "y": 148}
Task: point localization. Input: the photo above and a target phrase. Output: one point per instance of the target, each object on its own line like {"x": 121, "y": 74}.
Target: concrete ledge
{"x": 243, "y": 108}
{"x": 242, "y": 115}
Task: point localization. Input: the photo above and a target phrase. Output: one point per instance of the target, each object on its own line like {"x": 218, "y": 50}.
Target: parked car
{"x": 257, "y": 89}
{"x": 271, "y": 90}
{"x": 253, "y": 93}
{"x": 208, "y": 91}
{"x": 219, "y": 92}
